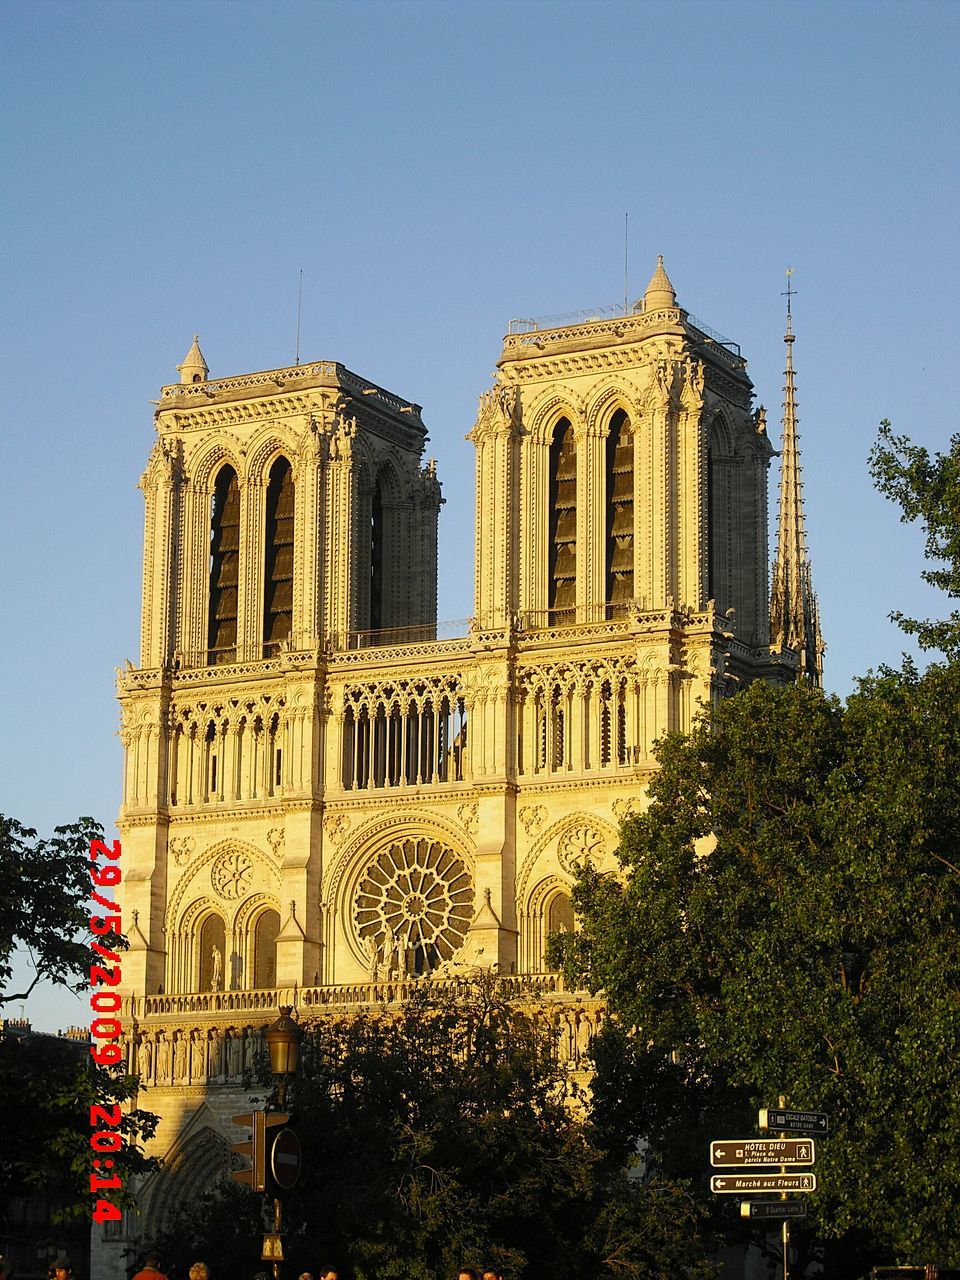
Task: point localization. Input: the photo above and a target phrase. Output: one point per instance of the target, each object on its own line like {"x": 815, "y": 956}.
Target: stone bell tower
{"x": 287, "y": 515}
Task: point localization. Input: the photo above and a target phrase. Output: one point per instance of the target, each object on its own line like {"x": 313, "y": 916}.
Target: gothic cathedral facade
{"x": 323, "y": 803}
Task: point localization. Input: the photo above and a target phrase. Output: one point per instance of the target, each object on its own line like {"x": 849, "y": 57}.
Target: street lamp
{"x": 283, "y": 1039}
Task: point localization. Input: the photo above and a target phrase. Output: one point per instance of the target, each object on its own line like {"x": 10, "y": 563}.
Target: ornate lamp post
{"x": 283, "y": 1039}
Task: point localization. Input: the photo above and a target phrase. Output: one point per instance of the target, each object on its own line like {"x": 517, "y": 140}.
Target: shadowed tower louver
{"x": 794, "y": 616}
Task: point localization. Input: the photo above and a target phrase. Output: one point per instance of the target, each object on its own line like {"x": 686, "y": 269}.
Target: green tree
{"x": 787, "y": 921}
{"x": 45, "y": 1145}
{"x": 928, "y": 490}
{"x": 44, "y": 887}
{"x": 44, "y": 908}
{"x": 448, "y": 1132}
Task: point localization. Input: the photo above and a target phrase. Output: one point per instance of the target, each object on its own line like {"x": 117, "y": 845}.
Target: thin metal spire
{"x": 299, "y": 311}
{"x": 794, "y": 614}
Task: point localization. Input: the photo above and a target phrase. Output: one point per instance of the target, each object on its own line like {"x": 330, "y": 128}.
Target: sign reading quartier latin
{"x": 752, "y": 1151}
{"x": 773, "y": 1209}
{"x": 741, "y": 1184}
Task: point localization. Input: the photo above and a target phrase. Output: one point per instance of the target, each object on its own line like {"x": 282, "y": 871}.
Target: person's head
{"x": 467, "y": 1273}
{"x": 62, "y": 1268}
{"x": 327, "y": 1272}
{"x": 152, "y": 1260}
{"x": 491, "y": 1273}
{"x": 199, "y": 1271}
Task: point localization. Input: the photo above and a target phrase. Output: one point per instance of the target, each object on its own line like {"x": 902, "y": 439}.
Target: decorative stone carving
{"x": 230, "y": 875}
{"x": 182, "y": 848}
{"x": 580, "y": 845}
{"x": 468, "y": 815}
{"x": 625, "y": 807}
{"x": 336, "y": 825}
{"x": 416, "y": 895}
{"x": 533, "y": 816}
{"x": 275, "y": 840}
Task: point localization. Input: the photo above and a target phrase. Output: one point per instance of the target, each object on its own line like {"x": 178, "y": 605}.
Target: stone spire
{"x": 659, "y": 292}
{"x": 794, "y": 614}
{"x": 194, "y": 367}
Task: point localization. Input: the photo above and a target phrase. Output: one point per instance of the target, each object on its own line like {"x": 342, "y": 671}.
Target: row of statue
{"x": 197, "y": 1056}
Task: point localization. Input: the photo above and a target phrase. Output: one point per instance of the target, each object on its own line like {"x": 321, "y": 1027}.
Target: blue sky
{"x": 435, "y": 169}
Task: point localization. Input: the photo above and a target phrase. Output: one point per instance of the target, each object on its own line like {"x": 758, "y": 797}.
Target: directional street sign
{"x": 773, "y": 1209}
{"x": 794, "y": 1121}
{"x": 734, "y": 1152}
{"x": 742, "y": 1184}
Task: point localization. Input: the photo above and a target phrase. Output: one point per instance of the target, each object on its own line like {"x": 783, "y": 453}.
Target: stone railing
{"x": 350, "y": 995}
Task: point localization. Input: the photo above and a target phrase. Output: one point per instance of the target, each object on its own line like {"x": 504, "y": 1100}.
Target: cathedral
{"x": 324, "y": 804}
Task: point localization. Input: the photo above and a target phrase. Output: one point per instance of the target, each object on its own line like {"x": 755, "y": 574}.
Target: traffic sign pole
{"x": 786, "y": 1222}
{"x": 754, "y": 1163}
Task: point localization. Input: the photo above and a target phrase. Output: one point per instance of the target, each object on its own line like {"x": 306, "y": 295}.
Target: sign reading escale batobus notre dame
{"x": 784, "y": 1121}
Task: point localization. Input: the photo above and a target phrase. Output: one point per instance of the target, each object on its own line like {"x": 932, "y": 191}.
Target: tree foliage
{"x": 787, "y": 922}
{"x": 44, "y": 887}
{"x": 44, "y": 907}
{"x": 928, "y": 490}
{"x": 45, "y": 1145}
{"x": 447, "y": 1133}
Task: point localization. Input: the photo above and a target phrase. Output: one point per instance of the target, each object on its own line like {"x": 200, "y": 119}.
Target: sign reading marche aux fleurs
{"x": 738, "y": 1184}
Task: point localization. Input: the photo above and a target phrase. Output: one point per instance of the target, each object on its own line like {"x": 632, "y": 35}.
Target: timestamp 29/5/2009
{"x": 105, "y": 1025}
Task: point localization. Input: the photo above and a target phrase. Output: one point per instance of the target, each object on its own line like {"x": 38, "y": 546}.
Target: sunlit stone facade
{"x": 323, "y": 803}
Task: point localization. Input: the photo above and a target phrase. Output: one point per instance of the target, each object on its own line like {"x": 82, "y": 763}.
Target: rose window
{"x": 415, "y": 904}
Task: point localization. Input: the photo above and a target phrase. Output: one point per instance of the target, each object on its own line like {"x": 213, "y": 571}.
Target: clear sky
{"x": 436, "y": 169}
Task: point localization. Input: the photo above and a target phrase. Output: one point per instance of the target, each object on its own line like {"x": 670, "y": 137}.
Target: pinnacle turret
{"x": 659, "y": 292}
{"x": 194, "y": 367}
{"x": 794, "y": 615}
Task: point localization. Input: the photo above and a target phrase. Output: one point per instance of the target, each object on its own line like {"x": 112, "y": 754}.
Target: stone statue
{"x": 163, "y": 1057}
{"x": 391, "y": 954}
{"x": 372, "y": 952}
{"x": 198, "y": 1065}
{"x": 145, "y": 1060}
{"x": 180, "y": 1057}
{"x": 234, "y": 1054}
{"x": 249, "y": 1049}
{"x": 217, "y": 972}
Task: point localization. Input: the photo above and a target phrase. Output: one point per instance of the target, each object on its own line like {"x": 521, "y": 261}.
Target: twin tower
{"x": 321, "y": 800}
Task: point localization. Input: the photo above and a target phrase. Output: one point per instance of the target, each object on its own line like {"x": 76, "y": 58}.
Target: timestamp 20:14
{"x": 105, "y": 1026}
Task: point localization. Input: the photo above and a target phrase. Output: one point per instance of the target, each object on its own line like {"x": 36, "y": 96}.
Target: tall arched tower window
{"x": 376, "y": 559}
{"x": 563, "y": 524}
{"x": 265, "y": 950}
{"x": 711, "y": 539}
{"x": 619, "y": 545}
{"x": 224, "y": 568}
{"x": 278, "y": 558}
